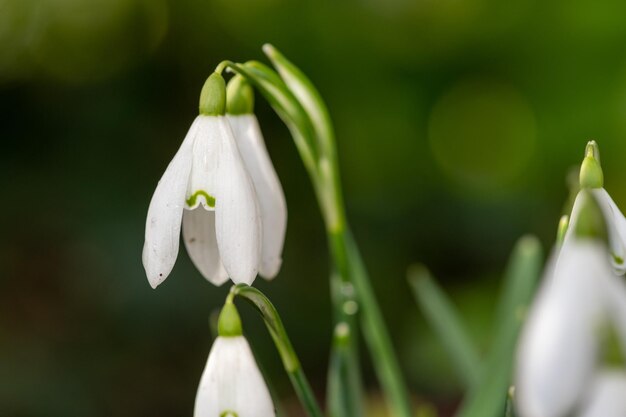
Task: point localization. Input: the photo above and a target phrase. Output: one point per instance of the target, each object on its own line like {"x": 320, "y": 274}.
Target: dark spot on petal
{"x": 193, "y": 239}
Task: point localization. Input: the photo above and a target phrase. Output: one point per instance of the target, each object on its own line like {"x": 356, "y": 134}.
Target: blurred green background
{"x": 457, "y": 122}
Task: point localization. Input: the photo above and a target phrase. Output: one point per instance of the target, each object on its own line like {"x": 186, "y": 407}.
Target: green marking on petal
{"x": 228, "y": 413}
{"x": 618, "y": 259}
{"x": 209, "y": 199}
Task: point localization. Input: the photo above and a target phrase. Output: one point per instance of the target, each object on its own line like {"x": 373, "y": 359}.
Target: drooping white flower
{"x": 560, "y": 341}
{"x": 207, "y": 188}
{"x": 582, "y": 297}
{"x": 231, "y": 384}
{"x": 272, "y": 205}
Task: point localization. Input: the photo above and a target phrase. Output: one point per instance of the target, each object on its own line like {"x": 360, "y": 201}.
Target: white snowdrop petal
{"x": 162, "y": 236}
{"x": 616, "y": 225}
{"x": 205, "y": 163}
{"x": 558, "y": 346}
{"x": 231, "y": 381}
{"x": 237, "y": 221}
{"x": 201, "y": 244}
{"x": 270, "y": 196}
{"x": 607, "y": 397}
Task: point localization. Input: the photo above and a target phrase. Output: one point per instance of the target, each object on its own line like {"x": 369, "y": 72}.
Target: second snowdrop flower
{"x": 207, "y": 189}
{"x": 272, "y": 205}
{"x": 592, "y": 178}
{"x": 231, "y": 384}
{"x": 581, "y": 298}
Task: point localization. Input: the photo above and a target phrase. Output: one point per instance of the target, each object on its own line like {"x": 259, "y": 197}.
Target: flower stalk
{"x": 300, "y": 106}
{"x": 277, "y": 331}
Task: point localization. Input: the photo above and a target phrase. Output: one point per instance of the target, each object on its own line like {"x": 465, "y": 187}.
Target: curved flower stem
{"x": 287, "y": 354}
{"x": 296, "y": 100}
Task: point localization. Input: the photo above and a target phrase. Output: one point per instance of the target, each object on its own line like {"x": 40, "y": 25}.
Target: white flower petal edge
{"x": 201, "y": 244}
{"x": 237, "y": 222}
{"x": 616, "y": 294}
{"x": 607, "y": 397}
{"x": 270, "y": 195}
{"x": 162, "y": 236}
{"x": 232, "y": 382}
{"x": 558, "y": 346}
{"x": 616, "y": 224}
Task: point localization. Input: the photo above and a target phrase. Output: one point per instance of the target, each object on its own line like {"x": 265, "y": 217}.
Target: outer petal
{"x": 272, "y": 205}
{"x": 616, "y": 224}
{"x": 232, "y": 382}
{"x": 607, "y": 397}
{"x": 204, "y": 168}
{"x": 237, "y": 221}
{"x": 164, "y": 214}
{"x": 199, "y": 238}
{"x": 558, "y": 346}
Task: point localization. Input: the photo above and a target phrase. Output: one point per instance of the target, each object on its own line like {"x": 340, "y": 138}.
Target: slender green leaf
{"x": 343, "y": 393}
{"x": 307, "y": 94}
{"x": 488, "y": 399}
{"x": 509, "y": 410}
{"x": 312, "y": 102}
{"x": 521, "y": 278}
{"x": 447, "y": 324}
{"x": 377, "y": 337}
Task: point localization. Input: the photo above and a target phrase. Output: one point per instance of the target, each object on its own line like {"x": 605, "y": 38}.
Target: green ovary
{"x": 209, "y": 199}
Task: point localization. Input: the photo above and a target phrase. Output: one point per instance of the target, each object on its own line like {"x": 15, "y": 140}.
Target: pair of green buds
{"x": 216, "y": 98}
{"x": 590, "y": 219}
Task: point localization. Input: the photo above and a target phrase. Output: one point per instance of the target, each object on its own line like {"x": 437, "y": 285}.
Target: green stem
{"x": 344, "y": 364}
{"x": 344, "y": 396}
{"x": 351, "y": 287}
{"x": 376, "y": 335}
{"x": 288, "y": 355}
{"x": 299, "y": 104}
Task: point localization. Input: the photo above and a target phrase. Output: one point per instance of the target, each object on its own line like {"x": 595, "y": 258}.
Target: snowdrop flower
{"x": 272, "y": 206}
{"x": 231, "y": 384}
{"x": 206, "y": 187}
{"x": 581, "y": 296}
{"x": 591, "y": 177}
{"x": 559, "y": 344}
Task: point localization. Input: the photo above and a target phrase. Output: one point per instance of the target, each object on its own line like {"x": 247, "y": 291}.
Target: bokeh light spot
{"x": 482, "y": 134}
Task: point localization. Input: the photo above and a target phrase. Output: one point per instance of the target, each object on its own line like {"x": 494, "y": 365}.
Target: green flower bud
{"x": 591, "y": 175}
{"x": 213, "y": 96}
{"x": 229, "y": 322}
{"x": 239, "y": 96}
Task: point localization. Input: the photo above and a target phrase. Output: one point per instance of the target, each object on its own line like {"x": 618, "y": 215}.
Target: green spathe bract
{"x": 213, "y": 96}
{"x": 229, "y": 322}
